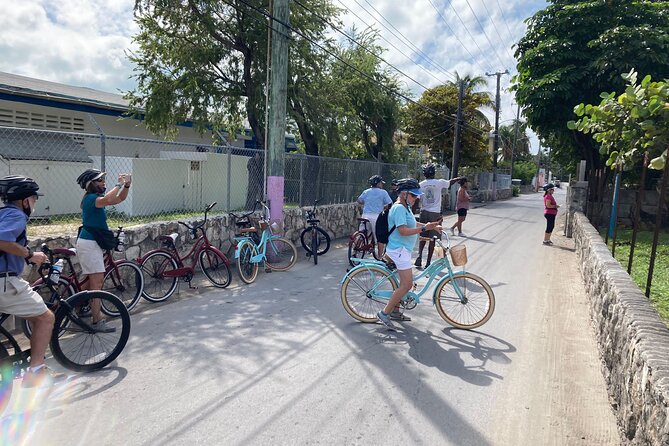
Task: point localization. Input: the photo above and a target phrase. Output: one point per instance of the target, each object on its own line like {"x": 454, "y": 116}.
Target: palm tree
{"x": 507, "y": 136}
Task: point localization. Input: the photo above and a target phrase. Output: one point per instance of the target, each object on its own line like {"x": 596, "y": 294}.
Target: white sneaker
{"x": 452, "y": 232}
{"x": 462, "y": 234}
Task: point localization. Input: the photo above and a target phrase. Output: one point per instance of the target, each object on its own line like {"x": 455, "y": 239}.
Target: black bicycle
{"x": 75, "y": 343}
{"x": 314, "y": 239}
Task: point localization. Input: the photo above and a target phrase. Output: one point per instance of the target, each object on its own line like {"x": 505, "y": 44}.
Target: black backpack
{"x": 381, "y": 228}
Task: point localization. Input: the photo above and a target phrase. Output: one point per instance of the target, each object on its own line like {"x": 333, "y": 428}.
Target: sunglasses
{"x": 99, "y": 180}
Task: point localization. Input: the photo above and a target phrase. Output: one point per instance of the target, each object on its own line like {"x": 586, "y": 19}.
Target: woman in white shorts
{"x": 94, "y": 218}
{"x": 401, "y": 242}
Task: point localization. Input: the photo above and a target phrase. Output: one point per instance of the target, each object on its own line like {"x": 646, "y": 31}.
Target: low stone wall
{"x": 481, "y": 196}
{"x": 633, "y": 340}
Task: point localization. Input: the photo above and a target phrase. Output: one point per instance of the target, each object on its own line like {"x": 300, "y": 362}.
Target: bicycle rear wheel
{"x": 80, "y": 347}
{"x": 8, "y": 348}
{"x": 474, "y": 309}
{"x": 356, "y": 247}
{"x": 356, "y": 292}
{"x": 215, "y": 268}
{"x": 280, "y": 254}
{"x": 125, "y": 281}
{"x": 323, "y": 241}
{"x": 64, "y": 289}
{"x": 248, "y": 271}
{"x": 157, "y": 287}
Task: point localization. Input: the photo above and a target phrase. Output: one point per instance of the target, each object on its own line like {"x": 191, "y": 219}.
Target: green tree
{"x": 430, "y": 121}
{"x": 508, "y": 137}
{"x": 572, "y": 51}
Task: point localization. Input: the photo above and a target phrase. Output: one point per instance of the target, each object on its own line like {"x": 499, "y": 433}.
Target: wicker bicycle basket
{"x": 459, "y": 255}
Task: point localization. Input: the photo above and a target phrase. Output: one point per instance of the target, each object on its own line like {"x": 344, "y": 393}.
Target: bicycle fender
{"x": 241, "y": 242}
{"x": 218, "y": 251}
{"x": 444, "y": 279}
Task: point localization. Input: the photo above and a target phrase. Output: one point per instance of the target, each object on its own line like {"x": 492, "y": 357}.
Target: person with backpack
{"x": 431, "y": 208}
{"x": 403, "y": 231}
{"x": 94, "y": 235}
{"x": 17, "y": 298}
{"x": 374, "y": 200}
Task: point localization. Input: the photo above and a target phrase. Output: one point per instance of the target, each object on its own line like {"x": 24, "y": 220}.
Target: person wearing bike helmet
{"x": 404, "y": 231}
{"x": 393, "y": 191}
{"x": 431, "y": 208}
{"x": 550, "y": 212}
{"x": 94, "y": 223}
{"x": 374, "y": 200}
{"x": 17, "y": 298}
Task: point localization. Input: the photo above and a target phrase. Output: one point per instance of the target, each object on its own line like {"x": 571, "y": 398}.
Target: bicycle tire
{"x": 465, "y": 315}
{"x": 75, "y": 341}
{"x": 280, "y": 254}
{"x": 65, "y": 289}
{"x": 8, "y": 347}
{"x": 356, "y": 247}
{"x": 248, "y": 271}
{"x": 125, "y": 281}
{"x": 215, "y": 268}
{"x": 157, "y": 287}
{"x": 355, "y": 292}
{"x": 323, "y": 241}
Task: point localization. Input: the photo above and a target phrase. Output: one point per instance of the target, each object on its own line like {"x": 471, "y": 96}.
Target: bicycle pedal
{"x": 268, "y": 270}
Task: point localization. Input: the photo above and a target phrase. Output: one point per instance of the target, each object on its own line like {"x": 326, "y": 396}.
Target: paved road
{"x": 281, "y": 362}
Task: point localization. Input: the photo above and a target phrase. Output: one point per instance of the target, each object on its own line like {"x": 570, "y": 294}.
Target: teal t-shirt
{"x": 399, "y": 215}
{"x": 92, "y": 216}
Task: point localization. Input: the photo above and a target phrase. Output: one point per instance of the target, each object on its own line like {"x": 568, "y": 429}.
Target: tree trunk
{"x": 307, "y": 135}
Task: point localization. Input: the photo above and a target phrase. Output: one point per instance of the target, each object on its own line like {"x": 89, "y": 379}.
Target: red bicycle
{"x": 362, "y": 242}
{"x": 163, "y": 267}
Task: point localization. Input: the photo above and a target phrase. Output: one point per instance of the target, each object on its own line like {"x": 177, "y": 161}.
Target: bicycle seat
{"x": 363, "y": 220}
{"x": 313, "y": 221}
{"x": 172, "y": 238}
{"x": 245, "y": 230}
{"x": 66, "y": 252}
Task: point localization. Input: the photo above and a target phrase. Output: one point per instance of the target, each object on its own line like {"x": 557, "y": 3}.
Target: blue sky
{"x": 84, "y": 43}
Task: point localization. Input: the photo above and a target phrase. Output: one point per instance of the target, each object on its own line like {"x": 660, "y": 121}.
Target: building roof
{"x": 27, "y": 86}
{"x": 19, "y": 144}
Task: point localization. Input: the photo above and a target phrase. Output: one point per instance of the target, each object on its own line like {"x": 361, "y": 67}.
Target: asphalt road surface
{"x": 280, "y": 362}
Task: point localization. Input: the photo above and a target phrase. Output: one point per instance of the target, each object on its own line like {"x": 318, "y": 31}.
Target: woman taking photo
{"x": 95, "y": 234}
{"x": 404, "y": 232}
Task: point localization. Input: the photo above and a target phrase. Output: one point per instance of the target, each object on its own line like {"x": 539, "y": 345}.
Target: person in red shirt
{"x": 550, "y": 211}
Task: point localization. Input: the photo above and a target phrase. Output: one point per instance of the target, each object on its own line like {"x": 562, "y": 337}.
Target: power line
{"x": 504, "y": 20}
{"x": 494, "y": 25}
{"x": 484, "y": 33}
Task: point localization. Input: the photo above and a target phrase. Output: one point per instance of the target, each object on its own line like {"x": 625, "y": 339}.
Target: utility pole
{"x": 276, "y": 125}
{"x": 496, "y": 141}
{"x": 458, "y": 131}
{"x": 515, "y": 140}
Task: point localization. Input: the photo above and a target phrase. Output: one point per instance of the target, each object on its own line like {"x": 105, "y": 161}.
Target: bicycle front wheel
{"x": 157, "y": 287}
{"x": 77, "y": 345}
{"x": 323, "y": 241}
{"x": 356, "y": 292}
{"x": 465, "y": 301}
{"x": 280, "y": 254}
{"x": 125, "y": 281}
{"x": 356, "y": 247}
{"x": 248, "y": 271}
{"x": 215, "y": 267}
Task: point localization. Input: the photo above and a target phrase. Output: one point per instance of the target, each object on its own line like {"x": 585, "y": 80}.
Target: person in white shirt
{"x": 374, "y": 200}
{"x": 431, "y": 208}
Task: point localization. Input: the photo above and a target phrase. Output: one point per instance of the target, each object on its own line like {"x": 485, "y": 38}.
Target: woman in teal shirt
{"x": 402, "y": 239}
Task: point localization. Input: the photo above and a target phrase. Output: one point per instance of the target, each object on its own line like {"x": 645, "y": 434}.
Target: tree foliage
{"x": 430, "y": 121}
{"x": 509, "y": 137}
{"x": 573, "y": 50}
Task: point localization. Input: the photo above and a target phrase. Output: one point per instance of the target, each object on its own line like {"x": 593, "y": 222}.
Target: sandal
{"x": 397, "y": 316}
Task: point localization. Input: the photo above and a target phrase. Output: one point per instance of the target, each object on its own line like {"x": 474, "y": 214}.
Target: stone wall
{"x": 633, "y": 340}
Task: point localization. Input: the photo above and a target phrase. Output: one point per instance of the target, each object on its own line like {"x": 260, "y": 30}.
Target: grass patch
{"x": 659, "y": 291}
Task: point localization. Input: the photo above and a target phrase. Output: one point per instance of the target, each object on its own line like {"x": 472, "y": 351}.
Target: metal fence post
{"x": 637, "y": 210}
{"x": 301, "y": 182}
{"x": 229, "y": 181}
{"x": 658, "y": 224}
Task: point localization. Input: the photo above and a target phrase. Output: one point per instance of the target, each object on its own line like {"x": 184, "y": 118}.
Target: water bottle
{"x": 120, "y": 246}
{"x": 56, "y": 269}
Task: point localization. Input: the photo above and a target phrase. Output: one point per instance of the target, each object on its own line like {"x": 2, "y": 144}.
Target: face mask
{"x": 28, "y": 209}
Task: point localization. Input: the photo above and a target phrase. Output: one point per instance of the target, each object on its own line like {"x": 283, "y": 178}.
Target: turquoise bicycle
{"x": 463, "y": 299}
{"x": 278, "y": 253}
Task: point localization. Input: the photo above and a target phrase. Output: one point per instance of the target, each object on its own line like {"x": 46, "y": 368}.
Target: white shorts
{"x": 401, "y": 257}
{"x": 372, "y": 222}
{"x": 19, "y": 299}
{"x": 90, "y": 255}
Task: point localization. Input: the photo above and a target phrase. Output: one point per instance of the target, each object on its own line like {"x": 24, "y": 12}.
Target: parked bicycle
{"x": 463, "y": 299}
{"x": 75, "y": 344}
{"x": 277, "y": 252}
{"x": 314, "y": 239}
{"x": 163, "y": 267}
{"x": 362, "y": 242}
{"x": 123, "y": 278}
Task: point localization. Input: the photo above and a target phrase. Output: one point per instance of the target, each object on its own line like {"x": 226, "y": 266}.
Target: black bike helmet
{"x": 17, "y": 187}
{"x": 429, "y": 170}
{"x": 409, "y": 185}
{"x": 374, "y": 180}
{"x": 548, "y": 187}
{"x": 89, "y": 175}
{"x": 394, "y": 182}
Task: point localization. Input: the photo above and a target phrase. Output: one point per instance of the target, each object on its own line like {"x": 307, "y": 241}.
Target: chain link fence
{"x": 170, "y": 180}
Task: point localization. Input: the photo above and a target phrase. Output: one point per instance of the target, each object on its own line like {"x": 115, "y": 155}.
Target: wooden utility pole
{"x": 495, "y": 147}
{"x": 276, "y": 125}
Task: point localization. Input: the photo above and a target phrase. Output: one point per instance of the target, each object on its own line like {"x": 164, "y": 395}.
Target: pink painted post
{"x": 275, "y": 196}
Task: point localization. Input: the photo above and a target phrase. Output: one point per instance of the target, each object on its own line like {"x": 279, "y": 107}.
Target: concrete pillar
{"x": 577, "y": 198}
